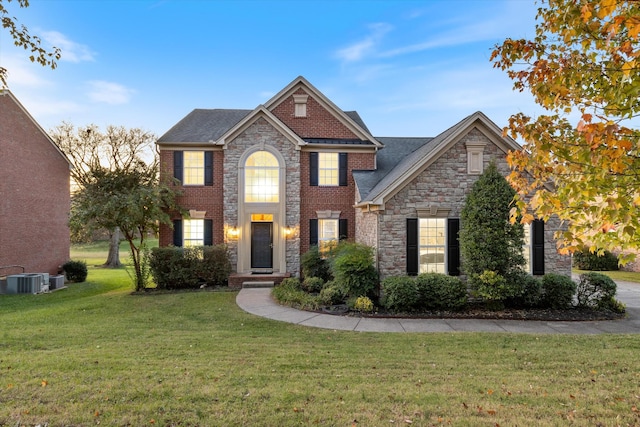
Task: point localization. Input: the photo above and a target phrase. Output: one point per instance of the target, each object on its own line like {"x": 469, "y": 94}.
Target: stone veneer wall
{"x": 261, "y": 132}
{"x": 444, "y": 184}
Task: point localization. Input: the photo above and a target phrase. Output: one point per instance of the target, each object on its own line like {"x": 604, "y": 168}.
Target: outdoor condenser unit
{"x": 24, "y": 283}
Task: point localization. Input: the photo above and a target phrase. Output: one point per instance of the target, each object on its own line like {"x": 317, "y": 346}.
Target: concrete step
{"x": 256, "y": 284}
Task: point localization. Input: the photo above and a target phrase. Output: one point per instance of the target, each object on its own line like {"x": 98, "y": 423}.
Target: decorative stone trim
{"x": 433, "y": 212}
{"x": 194, "y": 214}
{"x": 300, "y": 105}
{"x": 328, "y": 214}
{"x": 475, "y": 161}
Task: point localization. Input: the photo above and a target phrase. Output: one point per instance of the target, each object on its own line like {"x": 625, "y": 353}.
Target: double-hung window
{"x": 328, "y": 169}
{"x": 324, "y": 232}
{"x": 192, "y": 232}
{"x": 193, "y": 167}
{"x": 433, "y": 246}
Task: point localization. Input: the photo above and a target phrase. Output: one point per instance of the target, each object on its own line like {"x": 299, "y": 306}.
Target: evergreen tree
{"x": 488, "y": 240}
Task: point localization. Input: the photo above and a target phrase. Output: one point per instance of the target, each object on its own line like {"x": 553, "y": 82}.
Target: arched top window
{"x": 261, "y": 178}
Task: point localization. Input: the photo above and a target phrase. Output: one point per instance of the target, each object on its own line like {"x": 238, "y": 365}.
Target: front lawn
{"x": 96, "y": 354}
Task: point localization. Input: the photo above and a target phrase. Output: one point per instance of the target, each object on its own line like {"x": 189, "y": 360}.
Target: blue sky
{"x": 410, "y": 68}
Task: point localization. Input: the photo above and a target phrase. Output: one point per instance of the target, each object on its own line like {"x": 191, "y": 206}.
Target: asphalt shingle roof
{"x": 203, "y": 125}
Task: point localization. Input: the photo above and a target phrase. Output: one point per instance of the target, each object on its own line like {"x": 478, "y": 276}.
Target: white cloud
{"x": 21, "y": 72}
{"x": 70, "y": 50}
{"x": 109, "y": 92}
{"x": 365, "y": 47}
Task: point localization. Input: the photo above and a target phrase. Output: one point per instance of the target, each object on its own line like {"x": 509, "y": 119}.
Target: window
{"x": 261, "y": 178}
{"x": 324, "y": 230}
{"x": 328, "y": 169}
{"x": 192, "y": 232}
{"x": 432, "y": 245}
{"x": 526, "y": 248}
{"x": 193, "y": 167}
{"x": 327, "y": 233}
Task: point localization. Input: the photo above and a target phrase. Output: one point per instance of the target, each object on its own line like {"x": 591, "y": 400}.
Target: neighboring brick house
{"x": 34, "y": 194}
{"x": 299, "y": 171}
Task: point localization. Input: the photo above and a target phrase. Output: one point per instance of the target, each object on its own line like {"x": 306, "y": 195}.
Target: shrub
{"x": 440, "y": 292}
{"x": 587, "y": 260}
{"x": 529, "y": 291}
{"x": 76, "y": 271}
{"x": 595, "y": 290}
{"x": 312, "y": 284}
{"x": 557, "y": 291}
{"x": 289, "y": 293}
{"x": 314, "y": 265}
{"x": 188, "y": 268}
{"x": 488, "y": 240}
{"x": 493, "y": 286}
{"x": 331, "y": 294}
{"x": 363, "y": 305}
{"x": 215, "y": 265}
{"x": 400, "y": 293}
{"x": 354, "y": 269}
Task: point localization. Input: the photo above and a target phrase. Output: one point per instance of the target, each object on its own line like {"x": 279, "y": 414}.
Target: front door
{"x": 261, "y": 245}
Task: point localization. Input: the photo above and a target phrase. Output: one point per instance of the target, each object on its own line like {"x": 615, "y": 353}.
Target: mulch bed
{"x": 568, "y": 315}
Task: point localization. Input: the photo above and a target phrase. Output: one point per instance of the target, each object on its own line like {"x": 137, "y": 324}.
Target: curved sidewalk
{"x": 258, "y": 301}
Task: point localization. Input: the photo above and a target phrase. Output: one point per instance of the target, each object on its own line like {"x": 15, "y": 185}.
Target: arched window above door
{"x": 261, "y": 178}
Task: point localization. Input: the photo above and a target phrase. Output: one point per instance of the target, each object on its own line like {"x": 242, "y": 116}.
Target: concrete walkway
{"x": 258, "y": 301}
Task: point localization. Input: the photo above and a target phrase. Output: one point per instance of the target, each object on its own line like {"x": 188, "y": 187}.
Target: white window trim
{"x": 337, "y": 169}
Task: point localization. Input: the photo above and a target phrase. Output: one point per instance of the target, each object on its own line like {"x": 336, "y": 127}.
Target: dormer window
{"x": 300, "y": 105}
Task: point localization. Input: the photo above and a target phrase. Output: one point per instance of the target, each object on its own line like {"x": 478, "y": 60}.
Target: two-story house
{"x": 299, "y": 171}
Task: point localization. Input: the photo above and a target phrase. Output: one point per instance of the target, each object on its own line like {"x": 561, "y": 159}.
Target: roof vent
{"x": 301, "y": 105}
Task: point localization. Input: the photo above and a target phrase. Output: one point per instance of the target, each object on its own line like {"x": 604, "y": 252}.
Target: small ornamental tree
{"x": 488, "y": 240}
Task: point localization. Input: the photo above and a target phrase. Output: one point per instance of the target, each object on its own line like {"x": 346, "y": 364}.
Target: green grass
{"x": 95, "y": 253}
{"x": 97, "y": 354}
{"x": 627, "y": 276}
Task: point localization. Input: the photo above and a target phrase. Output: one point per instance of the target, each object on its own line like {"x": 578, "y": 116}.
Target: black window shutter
{"x": 177, "y": 232}
{"x": 177, "y": 165}
{"x": 342, "y": 169}
{"x": 208, "y": 168}
{"x": 313, "y": 169}
{"x": 313, "y": 232}
{"x": 412, "y": 246}
{"x": 208, "y": 232}
{"x": 343, "y": 230}
{"x": 453, "y": 246}
{"x": 537, "y": 247}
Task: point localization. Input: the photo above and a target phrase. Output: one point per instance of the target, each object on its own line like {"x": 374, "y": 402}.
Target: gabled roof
{"x": 426, "y": 153}
{"x": 351, "y": 120}
{"x": 251, "y": 118}
{"x": 6, "y": 92}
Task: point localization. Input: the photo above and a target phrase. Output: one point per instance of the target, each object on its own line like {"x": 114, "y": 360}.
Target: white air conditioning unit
{"x": 24, "y": 283}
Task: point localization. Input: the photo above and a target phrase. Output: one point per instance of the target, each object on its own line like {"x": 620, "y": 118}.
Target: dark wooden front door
{"x": 261, "y": 245}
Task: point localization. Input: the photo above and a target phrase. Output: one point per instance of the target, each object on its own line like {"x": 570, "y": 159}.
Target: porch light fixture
{"x": 233, "y": 232}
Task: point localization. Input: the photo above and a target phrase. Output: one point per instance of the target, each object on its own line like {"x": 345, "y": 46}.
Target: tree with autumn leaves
{"x": 581, "y": 159}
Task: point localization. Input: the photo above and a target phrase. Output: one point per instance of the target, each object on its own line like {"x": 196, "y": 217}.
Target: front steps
{"x": 248, "y": 280}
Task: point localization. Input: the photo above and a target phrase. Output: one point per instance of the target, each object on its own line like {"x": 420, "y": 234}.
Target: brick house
{"x": 299, "y": 171}
{"x": 34, "y": 194}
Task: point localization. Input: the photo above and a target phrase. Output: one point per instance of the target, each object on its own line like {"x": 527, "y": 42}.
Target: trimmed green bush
{"x": 595, "y": 290}
{"x": 314, "y": 265}
{"x": 191, "y": 267}
{"x": 215, "y": 267}
{"x": 76, "y": 271}
{"x": 290, "y": 293}
{"x": 492, "y": 286}
{"x": 312, "y": 284}
{"x": 557, "y": 291}
{"x": 400, "y": 293}
{"x": 529, "y": 291}
{"x": 331, "y": 294}
{"x": 353, "y": 268}
{"x": 440, "y": 292}
{"x": 586, "y": 260}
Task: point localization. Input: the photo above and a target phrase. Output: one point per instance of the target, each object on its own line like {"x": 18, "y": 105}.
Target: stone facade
{"x": 443, "y": 185}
